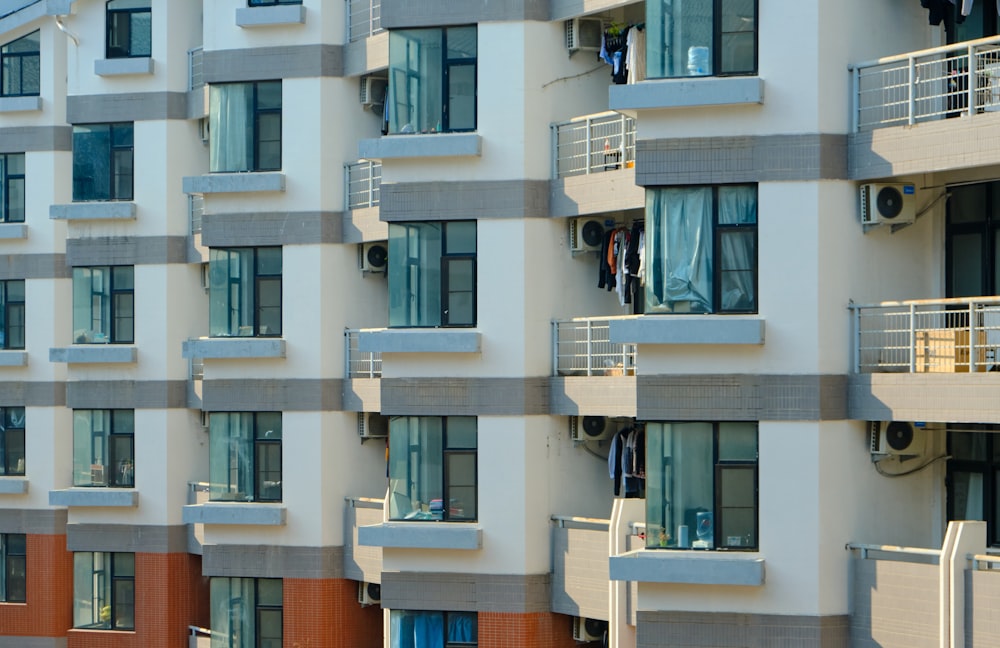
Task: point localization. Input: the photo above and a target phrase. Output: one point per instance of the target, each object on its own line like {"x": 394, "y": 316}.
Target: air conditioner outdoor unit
{"x": 588, "y": 630}
{"x": 372, "y": 425}
{"x": 899, "y": 438}
{"x": 374, "y": 256}
{"x": 591, "y": 428}
{"x": 584, "y": 34}
{"x": 203, "y": 130}
{"x": 888, "y": 204}
{"x": 372, "y": 91}
{"x": 369, "y": 593}
{"x": 585, "y": 234}
{"x": 205, "y": 277}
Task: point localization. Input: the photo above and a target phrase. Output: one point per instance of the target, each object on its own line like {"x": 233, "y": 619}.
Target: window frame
{"x": 9, "y": 180}
{"x": 234, "y": 262}
{"x": 15, "y": 567}
{"x": 230, "y": 603}
{"x": 987, "y": 466}
{"x": 112, "y": 300}
{"x": 255, "y": 119}
{"x": 422, "y": 464}
{"x": 272, "y": 3}
{"x": 120, "y": 161}
{"x": 716, "y": 48}
{"x": 12, "y": 314}
{"x": 397, "y": 617}
{"x": 717, "y": 269}
{"x": 112, "y": 26}
{"x": 20, "y": 57}
{"x": 263, "y": 452}
{"x": 111, "y": 588}
{"x": 12, "y": 427}
{"x": 108, "y": 440}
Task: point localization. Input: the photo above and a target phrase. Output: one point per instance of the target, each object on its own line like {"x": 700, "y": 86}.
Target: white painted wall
{"x": 325, "y": 23}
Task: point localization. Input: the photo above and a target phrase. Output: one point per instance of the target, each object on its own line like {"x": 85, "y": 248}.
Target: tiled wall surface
{"x": 325, "y": 613}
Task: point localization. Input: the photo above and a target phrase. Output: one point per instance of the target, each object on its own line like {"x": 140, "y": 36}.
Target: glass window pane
{"x": 679, "y": 481}
{"x": 124, "y": 612}
{"x": 269, "y": 95}
{"x": 462, "y": 97}
{"x": 87, "y": 600}
{"x": 461, "y": 237}
{"x": 966, "y": 265}
{"x": 416, "y": 475}
{"x": 141, "y": 42}
{"x": 91, "y": 162}
{"x": 738, "y": 441}
{"x": 15, "y": 200}
{"x": 231, "y": 127}
{"x": 269, "y": 591}
{"x": 415, "y": 80}
{"x": 967, "y": 496}
{"x": 679, "y": 250}
{"x": 414, "y": 274}
{"x": 230, "y": 441}
{"x": 463, "y": 627}
{"x": 269, "y": 261}
{"x": 461, "y": 432}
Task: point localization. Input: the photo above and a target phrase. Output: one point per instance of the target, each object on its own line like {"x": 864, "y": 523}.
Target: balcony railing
{"x": 364, "y": 180}
{"x": 364, "y": 19}
{"x": 582, "y": 347}
{"x": 960, "y": 79}
{"x": 592, "y": 144}
{"x": 360, "y": 364}
{"x": 196, "y": 78}
{"x": 943, "y": 335}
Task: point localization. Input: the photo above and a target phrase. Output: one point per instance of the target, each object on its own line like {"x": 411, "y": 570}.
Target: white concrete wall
{"x": 325, "y": 23}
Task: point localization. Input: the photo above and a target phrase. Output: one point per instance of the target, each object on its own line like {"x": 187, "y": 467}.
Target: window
{"x": 11, "y": 440}
{"x": 245, "y": 456}
{"x": 244, "y": 125}
{"x": 104, "y": 448}
{"x": 102, "y": 162}
{"x": 130, "y": 32}
{"x": 972, "y": 240}
{"x": 712, "y": 37}
{"x": 20, "y": 67}
{"x": 432, "y": 274}
{"x": 701, "y": 485}
{"x": 701, "y": 249}
{"x": 413, "y": 629}
{"x": 270, "y": 3}
{"x": 974, "y": 477}
{"x": 244, "y": 292}
{"x": 104, "y": 591}
{"x": 12, "y": 314}
{"x": 13, "y": 553}
{"x": 246, "y": 612}
{"x": 432, "y": 80}
{"x": 12, "y": 188}
{"x": 103, "y": 305}
{"x": 432, "y": 460}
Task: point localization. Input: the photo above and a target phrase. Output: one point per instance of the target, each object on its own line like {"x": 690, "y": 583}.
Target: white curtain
{"x": 230, "y": 114}
{"x": 679, "y": 244}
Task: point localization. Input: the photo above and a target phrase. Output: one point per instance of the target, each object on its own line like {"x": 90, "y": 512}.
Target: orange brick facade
{"x": 325, "y": 613}
{"x": 535, "y": 630}
{"x": 48, "y": 611}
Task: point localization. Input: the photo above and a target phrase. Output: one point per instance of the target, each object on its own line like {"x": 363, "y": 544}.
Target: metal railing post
{"x": 911, "y": 99}
{"x": 347, "y": 353}
{"x": 972, "y": 82}
{"x": 554, "y": 130}
{"x": 855, "y": 99}
{"x": 856, "y": 320}
{"x": 913, "y": 338}
{"x": 347, "y": 187}
{"x": 621, "y": 144}
{"x": 555, "y": 348}
{"x": 588, "y": 143}
{"x": 371, "y": 183}
{"x": 972, "y": 337}
{"x": 590, "y": 348}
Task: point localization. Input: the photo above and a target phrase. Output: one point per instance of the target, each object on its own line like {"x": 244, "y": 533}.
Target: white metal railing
{"x": 592, "y": 143}
{"x": 360, "y": 364}
{"x": 948, "y": 81}
{"x": 201, "y": 637}
{"x": 363, "y": 181}
{"x": 196, "y": 209}
{"x": 196, "y": 77}
{"x": 895, "y": 551}
{"x": 582, "y": 347}
{"x": 927, "y": 335}
{"x": 364, "y": 18}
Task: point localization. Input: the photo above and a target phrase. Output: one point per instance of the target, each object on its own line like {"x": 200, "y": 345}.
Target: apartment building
{"x": 537, "y": 323}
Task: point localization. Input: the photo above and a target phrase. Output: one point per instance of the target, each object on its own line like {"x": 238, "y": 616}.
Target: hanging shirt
{"x": 635, "y": 54}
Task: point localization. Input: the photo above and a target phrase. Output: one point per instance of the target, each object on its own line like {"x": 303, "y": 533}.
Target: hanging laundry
{"x": 635, "y": 54}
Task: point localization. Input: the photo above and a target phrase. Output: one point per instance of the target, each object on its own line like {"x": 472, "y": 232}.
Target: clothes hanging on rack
{"x": 627, "y": 461}
{"x": 635, "y": 54}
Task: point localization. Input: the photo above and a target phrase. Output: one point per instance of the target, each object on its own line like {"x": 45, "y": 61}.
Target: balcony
{"x": 363, "y": 181}
{"x": 364, "y": 19}
{"x": 582, "y": 346}
{"x": 360, "y": 364}
{"x": 927, "y": 336}
{"x": 593, "y": 144}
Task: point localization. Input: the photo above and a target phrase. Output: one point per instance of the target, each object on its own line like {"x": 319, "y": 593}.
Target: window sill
{"x": 123, "y": 66}
{"x": 248, "y": 513}
{"x": 20, "y": 104}
{"x": 97, "y": 210}
{"x": 13, "y": 358}
{"x": 105, "y": 497}
{"x": 422, "y": 535}
{"x": 688, "y": 329}
{"x": 13, "y": 231}
{"x": 268, "y": 16}
{"x": 686, "y": 93}
{"x": 234, "y": 348}
{"x": 421, "y": 146}
{"x": 94, "y": 354}
{"x": 441, "y": 340}
{"x": 688, "y": 567}
{"x": 249, "y": 182}
{"x": 15, "y": 485}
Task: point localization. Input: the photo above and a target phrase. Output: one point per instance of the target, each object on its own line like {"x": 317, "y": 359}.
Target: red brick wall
{"x": 325, "y": 613}
{"x": 535, "y": 630}
{"x": 48, "y": 611}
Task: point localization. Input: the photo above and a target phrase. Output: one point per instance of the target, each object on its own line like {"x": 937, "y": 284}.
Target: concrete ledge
{"x": 20, "y": 104}
{"x": 13, "y": 231}
{"x": 252, "y": 513}
{"x": 421, "y": 535}
{"x": 99, "y": 210}
{"x": 686, "y": 93}
{"x": 688, "y": 329}
{"x": 234, "y": 348}
{"x": 123, "y": 66}
{"x": 266, "y": 16}
{"x": 250, "y": 182}
{"x": 445, "y": 340}
{"x": 419, "y": 146}
{"x": 687, "y": 567}
{"x": 13, "y": 358}
{"x": 13, "y": 485}
{"x": 94, "y": 353}
{"x": 114, "y": 497}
